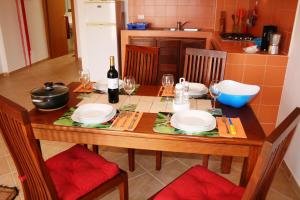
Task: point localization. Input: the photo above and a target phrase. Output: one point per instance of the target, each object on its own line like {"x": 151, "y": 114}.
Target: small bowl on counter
{"x": 251, "y": 49}
{"x": 236, "y": 94}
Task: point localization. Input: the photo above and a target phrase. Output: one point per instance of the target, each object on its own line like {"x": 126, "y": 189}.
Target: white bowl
{"x": 251, "y": 49}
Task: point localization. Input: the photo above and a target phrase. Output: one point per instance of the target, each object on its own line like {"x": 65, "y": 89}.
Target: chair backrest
{"x": 203, "y": 66}
{"x": 271, "y": 156}
{"x": 17, "y": 133}
{"x": 142, "y": 63}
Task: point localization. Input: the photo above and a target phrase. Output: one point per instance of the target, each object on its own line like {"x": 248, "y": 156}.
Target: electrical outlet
{"x": 141, "y": 16}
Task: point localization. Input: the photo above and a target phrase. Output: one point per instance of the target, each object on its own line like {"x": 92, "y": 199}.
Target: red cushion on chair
{"x": 198, "y": 183}
{"x": 77, "y": 171}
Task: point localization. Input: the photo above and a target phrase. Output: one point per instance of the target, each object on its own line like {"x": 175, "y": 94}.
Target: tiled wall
{"x": 165, "y": 13}
{"x": 276, "y": 12}
{"x": 230, "y": 7}
{"x": 268, "y": 72}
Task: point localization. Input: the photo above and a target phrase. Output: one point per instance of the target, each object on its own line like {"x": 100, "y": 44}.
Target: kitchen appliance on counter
{"x": 265, "y": 41}
{"x": 237, "y": 36}
{"x": 274, "y": 43}
{"x": 100, "y": 35}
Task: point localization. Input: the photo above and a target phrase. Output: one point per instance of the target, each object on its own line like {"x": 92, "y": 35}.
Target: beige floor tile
{"x": 3, "y": 149}
{"x": 147, "y": 159}
{"x": 7, "y": 179}
{"x": 275, "y": 195}
{"x": 123, "y": 164}
{"x": 169, "y": 171}
{"x": 4, "y": 166}
{"x": 142, "y": 187}
{"x": 282, "y": 185}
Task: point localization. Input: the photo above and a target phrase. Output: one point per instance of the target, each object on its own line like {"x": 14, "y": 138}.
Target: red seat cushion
{"x": 77, "y": 171}
{"x": 198, "y": 183}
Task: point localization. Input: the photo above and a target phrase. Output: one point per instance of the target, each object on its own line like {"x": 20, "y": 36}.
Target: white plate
{"x": 102, "y": 85}
{"x": 193, "y": 121}
{"x": 197, "y": 89}
{"x": 93, "y": 113}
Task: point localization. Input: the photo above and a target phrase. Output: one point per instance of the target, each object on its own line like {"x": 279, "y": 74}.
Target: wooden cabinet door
{"x": 189, "y": 43}
{"x": 168, "y": 57}
{"x": 143, "y": 41}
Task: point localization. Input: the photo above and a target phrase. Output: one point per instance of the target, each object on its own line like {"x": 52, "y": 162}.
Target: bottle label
{"x": 113, "y": 83}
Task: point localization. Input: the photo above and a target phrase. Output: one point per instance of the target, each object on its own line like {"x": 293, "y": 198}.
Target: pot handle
{"x": 41, "y": 100}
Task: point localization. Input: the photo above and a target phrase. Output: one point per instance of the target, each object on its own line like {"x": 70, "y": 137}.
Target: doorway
{"x": 60, "y": 27}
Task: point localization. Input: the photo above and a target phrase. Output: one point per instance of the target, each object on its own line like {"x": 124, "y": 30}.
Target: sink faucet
{"x": 180, "y": 25}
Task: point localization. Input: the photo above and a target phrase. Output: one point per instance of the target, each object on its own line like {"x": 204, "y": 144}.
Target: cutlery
{"x": 127, "y": 116}
{"x": 232, "y": 128}
{"x": 136, "y": 115}
{"x": 224, "y": 121}
{"x": 115, "y": 123}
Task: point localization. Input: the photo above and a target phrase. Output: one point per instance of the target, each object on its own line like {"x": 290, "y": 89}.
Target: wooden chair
{"x": 141, "y": 63}
{"x": 200, "y": 183}
{"x": 76, "y": 173}
{"x": 203, "y": 66}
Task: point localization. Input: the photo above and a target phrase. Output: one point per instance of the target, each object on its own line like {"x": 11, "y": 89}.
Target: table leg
{"x": 249, "y": 164}
{"x": 38, "y": 142}
{"x": 95, "y": 149}
{"x": 205, "y": 159}
{"x": 226, "y": 164}
{"x": 131, "y": 161}
{"x": 158, "y": 159}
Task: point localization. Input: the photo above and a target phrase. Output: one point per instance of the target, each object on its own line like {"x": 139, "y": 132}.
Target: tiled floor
{"x": 145, "y": 180}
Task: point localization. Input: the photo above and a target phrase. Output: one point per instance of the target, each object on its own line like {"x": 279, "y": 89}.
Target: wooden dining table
{"x": 143, "y": 137}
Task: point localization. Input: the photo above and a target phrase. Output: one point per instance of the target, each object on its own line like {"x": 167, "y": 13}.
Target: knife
{"x": 231, "y": 126}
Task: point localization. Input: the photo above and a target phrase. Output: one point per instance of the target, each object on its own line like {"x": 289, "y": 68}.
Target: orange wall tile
{"x": 165, "y": 13}
{"x": 280, "y": 13}
{"x": 266, "y": 71}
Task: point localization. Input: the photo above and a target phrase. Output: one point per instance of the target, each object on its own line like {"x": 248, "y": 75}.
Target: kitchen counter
{"x": 231, "y": 46}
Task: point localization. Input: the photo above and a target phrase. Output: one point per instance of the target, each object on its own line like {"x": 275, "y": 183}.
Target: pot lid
{"x": 50, "y": 90}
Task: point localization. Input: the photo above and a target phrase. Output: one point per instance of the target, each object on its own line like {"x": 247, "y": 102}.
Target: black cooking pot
{"x": 51, "y": 96}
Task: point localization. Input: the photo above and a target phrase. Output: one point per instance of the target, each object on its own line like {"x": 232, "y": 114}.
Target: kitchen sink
{"x": 185, "y": 29}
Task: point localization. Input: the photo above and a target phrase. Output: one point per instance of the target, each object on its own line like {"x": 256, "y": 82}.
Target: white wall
{"x": 3, "y": 63}
{"x": 36, "y": 29}
{"x": 11, "y": 36}
{"x": 291, "y": 97}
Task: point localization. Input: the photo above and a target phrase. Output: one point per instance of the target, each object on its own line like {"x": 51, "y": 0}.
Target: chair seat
{"x": 198, "y": 183}
{"x": 77, "y": 171}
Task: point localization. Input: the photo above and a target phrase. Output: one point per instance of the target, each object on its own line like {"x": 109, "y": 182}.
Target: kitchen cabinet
{"x": 171, "y": 52}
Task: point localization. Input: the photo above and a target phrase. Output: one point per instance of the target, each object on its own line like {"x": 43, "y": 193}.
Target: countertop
{"x": 214, "y": 41}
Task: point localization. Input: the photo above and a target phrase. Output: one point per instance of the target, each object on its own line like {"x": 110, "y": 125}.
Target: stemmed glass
{"x": 167, "y": 83}
{"x": 214, "y": 92}
{"x": 84, "y": 78}
{"x": 129, "y": 85}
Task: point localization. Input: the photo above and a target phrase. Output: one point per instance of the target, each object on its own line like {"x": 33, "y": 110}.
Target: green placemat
{"x": 162, "y": 125}
{"x": 66, "y": 120}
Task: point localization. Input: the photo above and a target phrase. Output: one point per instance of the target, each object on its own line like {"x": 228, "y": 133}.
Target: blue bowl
{"x": 236, "y": 94}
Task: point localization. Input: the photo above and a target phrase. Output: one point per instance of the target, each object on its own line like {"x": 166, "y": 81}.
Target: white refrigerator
{"x": 103, "y": 21}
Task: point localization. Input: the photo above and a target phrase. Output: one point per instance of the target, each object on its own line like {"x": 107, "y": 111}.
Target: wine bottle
{"x": 113, "y": 82}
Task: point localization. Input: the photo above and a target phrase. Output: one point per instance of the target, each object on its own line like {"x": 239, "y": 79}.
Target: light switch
{"x": 141, "y": 17}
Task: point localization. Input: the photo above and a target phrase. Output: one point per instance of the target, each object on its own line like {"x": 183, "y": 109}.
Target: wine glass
{"x": 84, "y": 78}
{"x": 214, "y": 92}
{"x": 168, "y": 82}
{"x": 129, "y": 85}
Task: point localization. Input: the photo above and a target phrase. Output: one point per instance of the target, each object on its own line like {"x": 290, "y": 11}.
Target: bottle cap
{"x": 112, "y": 60}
